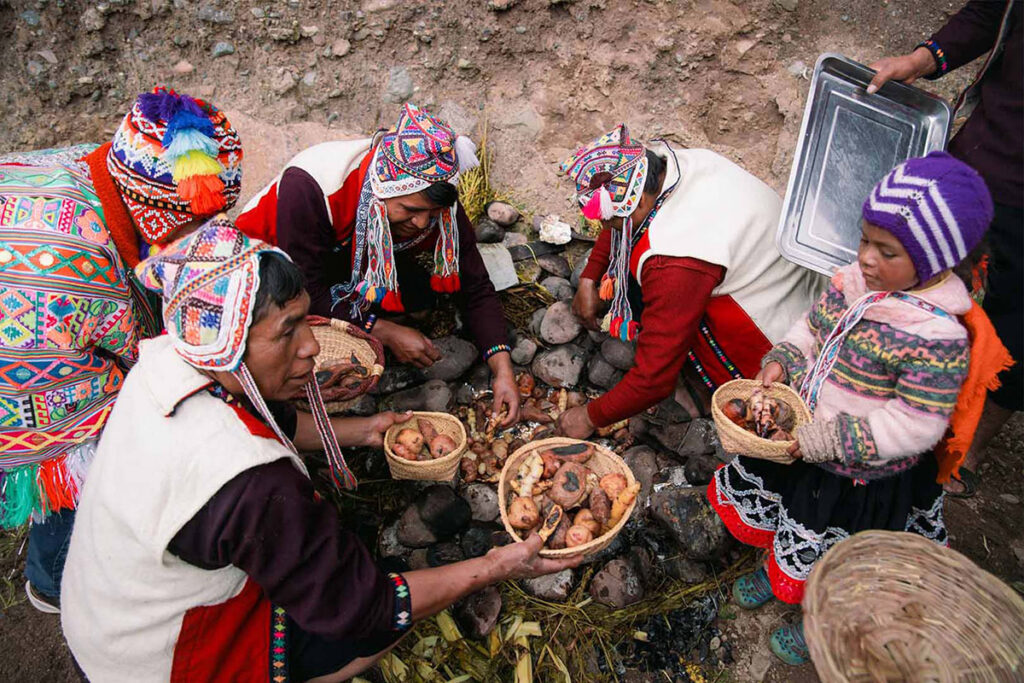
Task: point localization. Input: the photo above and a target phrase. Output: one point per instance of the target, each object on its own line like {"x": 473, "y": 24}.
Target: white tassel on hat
{"x": 465, "y": 152}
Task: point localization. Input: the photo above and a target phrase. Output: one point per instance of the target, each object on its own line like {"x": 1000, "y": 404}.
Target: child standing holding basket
{"x": 880, "y": 361}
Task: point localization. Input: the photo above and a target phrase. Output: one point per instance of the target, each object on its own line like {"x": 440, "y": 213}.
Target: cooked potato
{"x": 523, "y": 513}
{"x": 578, "y": 535}
{"x": 411, "y": 439}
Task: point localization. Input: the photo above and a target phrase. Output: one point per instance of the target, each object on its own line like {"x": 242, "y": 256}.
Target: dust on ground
{"x": 541, "y": 75}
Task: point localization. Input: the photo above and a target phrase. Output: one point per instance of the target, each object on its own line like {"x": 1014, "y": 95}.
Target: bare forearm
{"x": 434, "y": 589}
{"x": 500, "y": 364}
{"x": 351, "y": 432}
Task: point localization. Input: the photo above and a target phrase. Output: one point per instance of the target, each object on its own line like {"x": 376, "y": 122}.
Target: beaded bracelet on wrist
{"x": 368, "y": 324}
{"x": 941, "y": 65}
{"x": 497, "y": 348}
{"x": 402, "y": 617}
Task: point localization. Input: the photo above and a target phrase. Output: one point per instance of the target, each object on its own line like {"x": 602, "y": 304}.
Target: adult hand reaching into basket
{"x": 771, "y": 372}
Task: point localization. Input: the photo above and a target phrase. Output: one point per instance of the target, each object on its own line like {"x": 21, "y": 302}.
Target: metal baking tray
{"x": 848, "y": 141}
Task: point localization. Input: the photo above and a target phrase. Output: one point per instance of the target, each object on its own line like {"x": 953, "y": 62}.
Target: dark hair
{"x": 442, "y": 194}
{"x": 655, "y": 167}
{"x": 280, "y": 282}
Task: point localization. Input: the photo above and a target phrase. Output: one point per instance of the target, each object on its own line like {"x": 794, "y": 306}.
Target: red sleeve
{"x": 477, "y": 299}
{"x": 304, "y": 232}
{"x": 597, "y": 262}
{"x": 268, "y": 523}
{"x": 971, "y": 32}
{"x": 667, "y": 332}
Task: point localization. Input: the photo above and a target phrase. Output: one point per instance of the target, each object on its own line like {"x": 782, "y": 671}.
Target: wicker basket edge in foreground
{"x": 440, "y": 469}
{"x": 736, "y": 439}
{"x": 892, "y": 605}
{"x": 607, "y": 462}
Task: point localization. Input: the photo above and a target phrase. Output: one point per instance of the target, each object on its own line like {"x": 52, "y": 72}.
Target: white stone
{"x": 554, "y": 231}
{"x": 500, "y": 267}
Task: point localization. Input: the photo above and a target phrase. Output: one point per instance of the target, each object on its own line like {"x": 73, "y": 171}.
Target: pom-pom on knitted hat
{"x": 937, "y": 207}
{"x": 174, "y": 158}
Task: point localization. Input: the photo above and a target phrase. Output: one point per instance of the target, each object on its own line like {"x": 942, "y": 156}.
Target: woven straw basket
{"x": 602, "y": 462}
{"x": 441, "y": 469}
{"x": 736, "y": 439}
{"x": 894, "y": 606}
{"x": 355, "y": 359}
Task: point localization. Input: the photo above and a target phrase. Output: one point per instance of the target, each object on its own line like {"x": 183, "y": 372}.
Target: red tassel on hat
{"x": 446, "y": 284}
{"x": 392, "y": 302}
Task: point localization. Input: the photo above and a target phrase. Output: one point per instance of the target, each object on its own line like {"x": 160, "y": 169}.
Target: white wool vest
{"x": 167, "y": 448}
{"x": 722, "y": 214}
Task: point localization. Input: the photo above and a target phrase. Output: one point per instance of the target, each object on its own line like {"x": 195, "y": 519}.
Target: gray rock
{"x": 502, "y": 213}
{"x": 559, "y": 367}
{"x": 477, "y": 539}
{"x": 444, "y": 553}
{"x": 388, "y": 544}
{"x": 309, "y": 79}
{"x": 788, "y": 5}
{"x": 464, "y": 395}
{"x": 619, "y": 353}
{"x": 488, "y": 232}
{"x": 669, "y": 411}
{"x": 618, "y": 584}
{"x": 418, "y": 559}
{"x": 577, "y": 270}
{"x": 412, "y": 532}
{"x": 536, "y": 319}
{"x": 258, "y": 12}
{"x": 559, "y": 325}
{"x": 443, "y": 512}
{"x": 363, "y": 406}
{"x": 282, "y": 82}
{"x": 92, "y": 21}
{"x": 559, "y": 288}
{"x": 524, "y": 351}
{"x": 685, "y": 570}
{"x": 514, "y": 239}
{"x": 501, "y": 5}
{"x": 556, "y": 265}
{"x": 31, "y": 17}
{"x": 399, "y": 87}
{"x": 643, "y": 462}
{"x": 478, "y": 614}
{"x": 457, "y": 355}
{"x": 701, "y": 439}
{"x": 483, "y": 502}
{"x": 222, "y": 49}
{"x": 687, "y": 515}
{"x": 215, "y": 15}
{"x": 601, "y": 374}
{"x": 479, "y": 377}
{"x": 435, "y": 396}
{"x": 397, "y": 377}
{"x": 700, "y": 467}
{"x": 551, "y": 587}
{"x": 340, "y": 47}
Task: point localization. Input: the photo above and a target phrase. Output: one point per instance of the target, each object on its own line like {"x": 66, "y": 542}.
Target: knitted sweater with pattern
{"x": 895, "y": 383}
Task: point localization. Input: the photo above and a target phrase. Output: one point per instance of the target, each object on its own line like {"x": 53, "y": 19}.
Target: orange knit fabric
{"x": 115, "y": 214}
{"x": 989, "y": 357}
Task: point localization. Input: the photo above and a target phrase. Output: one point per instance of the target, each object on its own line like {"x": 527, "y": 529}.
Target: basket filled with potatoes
{"x": 577, "y": 495}
{"x": 427, "y": 447}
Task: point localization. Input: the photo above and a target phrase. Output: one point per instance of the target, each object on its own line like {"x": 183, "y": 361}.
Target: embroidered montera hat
{"x": 208, "y": 282}
{"x": 174, "y": 158}
{"x": 418, "y": 151}
{"x": 610, "y": 173}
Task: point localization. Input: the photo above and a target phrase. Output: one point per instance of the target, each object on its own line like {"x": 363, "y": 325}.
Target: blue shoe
{"x": 789, "y": 645}
{"x": 752, "y": 590}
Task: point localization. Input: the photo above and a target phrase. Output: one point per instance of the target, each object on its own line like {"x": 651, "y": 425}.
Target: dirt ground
{"x": 541, "y": 76}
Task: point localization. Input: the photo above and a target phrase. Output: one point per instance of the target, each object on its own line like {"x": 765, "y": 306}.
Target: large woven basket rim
{"x": 508, "y": 471}
{"x": 736, "y": 439}
{"x": 441, "y": 469}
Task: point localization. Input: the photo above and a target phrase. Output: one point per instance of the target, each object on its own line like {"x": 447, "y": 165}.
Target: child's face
{"x": 883, "y": 260}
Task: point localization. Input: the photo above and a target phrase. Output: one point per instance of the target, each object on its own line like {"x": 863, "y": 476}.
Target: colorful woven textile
{"x": 419, "y": 151}
{"x": 208, "y": 282}
{"x": 174, "y": 159}
{"x": 69, "y": 328}
{"x": 610, "y": 174}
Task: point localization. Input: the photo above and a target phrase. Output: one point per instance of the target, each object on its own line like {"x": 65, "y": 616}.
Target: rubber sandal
{"x": 752, "y": 590}
{"x": 969, "y": 480}
{"x": 788, "y": 644}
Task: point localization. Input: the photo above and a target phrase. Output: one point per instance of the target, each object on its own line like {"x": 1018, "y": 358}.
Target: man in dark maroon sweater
{"x": 992, "y": 141}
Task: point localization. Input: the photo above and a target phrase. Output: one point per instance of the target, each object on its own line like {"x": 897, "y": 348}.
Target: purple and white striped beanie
{"x": 937, "y": 207}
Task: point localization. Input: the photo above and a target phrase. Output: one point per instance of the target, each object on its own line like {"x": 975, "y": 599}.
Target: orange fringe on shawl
{"x": 989, "y": 357}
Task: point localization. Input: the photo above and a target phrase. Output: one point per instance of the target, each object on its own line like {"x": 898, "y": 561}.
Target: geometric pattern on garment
{"x": 756, "y": 506}
{"x": 796, "y": 548}
{"x": 929, "y": 523}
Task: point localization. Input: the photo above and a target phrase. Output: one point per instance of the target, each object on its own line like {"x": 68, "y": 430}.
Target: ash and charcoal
{"x": 668, "y": 642}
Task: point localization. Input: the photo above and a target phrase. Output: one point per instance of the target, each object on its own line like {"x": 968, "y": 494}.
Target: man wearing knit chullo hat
{"x": 74, "y": 222}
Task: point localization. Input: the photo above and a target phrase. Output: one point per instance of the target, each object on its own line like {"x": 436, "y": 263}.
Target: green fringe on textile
{"x": 19, "y": 496}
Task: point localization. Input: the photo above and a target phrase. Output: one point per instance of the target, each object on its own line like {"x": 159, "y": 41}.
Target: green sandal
{"x": 752, "y": 590}
{"x": 788, "y": 644}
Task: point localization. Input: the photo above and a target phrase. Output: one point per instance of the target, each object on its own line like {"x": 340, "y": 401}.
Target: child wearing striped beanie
{"x": 891, "y": 362}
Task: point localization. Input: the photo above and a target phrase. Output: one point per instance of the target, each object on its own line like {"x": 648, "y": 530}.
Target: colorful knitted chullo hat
{"x": 419, "y": 151}
{"x": 208, "y": 281}
{"x": 609, "y": 174}
{"x": 174, "y": 159}
{"x": 937, "y": 207}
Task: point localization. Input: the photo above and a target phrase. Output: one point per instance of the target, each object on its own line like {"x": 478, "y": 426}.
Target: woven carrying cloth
{"x": 208, "y": 282}
{"x": 419, "y": 151}
{"x": 610, "y": 174}
{"x": 174, "y": 159}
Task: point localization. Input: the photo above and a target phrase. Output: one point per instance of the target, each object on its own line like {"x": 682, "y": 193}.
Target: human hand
{"x": 771, "y": 372}
{"x": 905, "y": 68}
{"x": 366, "y": 431}
{"x": 586, "y": 304}
{"x": 575, "y": 423}
{"x": 506, "y": 397}
{"x": 794, "y": 451}
{"x": 408, "y": 345}
{"x": 522, "y": 561}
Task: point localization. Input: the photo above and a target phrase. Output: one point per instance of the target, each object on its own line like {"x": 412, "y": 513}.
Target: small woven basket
{"x": 736, "y": 439}
{"x": 441, "y": 469}
{"x": 354, "y": 359}
{"x": 895, "y": 606}
{"x": 602, "y": 462}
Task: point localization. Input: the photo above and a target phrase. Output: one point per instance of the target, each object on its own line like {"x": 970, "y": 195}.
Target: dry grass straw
{"x": 520, "y": 303}
{"x": 475, "y": 189}
{"x": 555, "y": 641}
